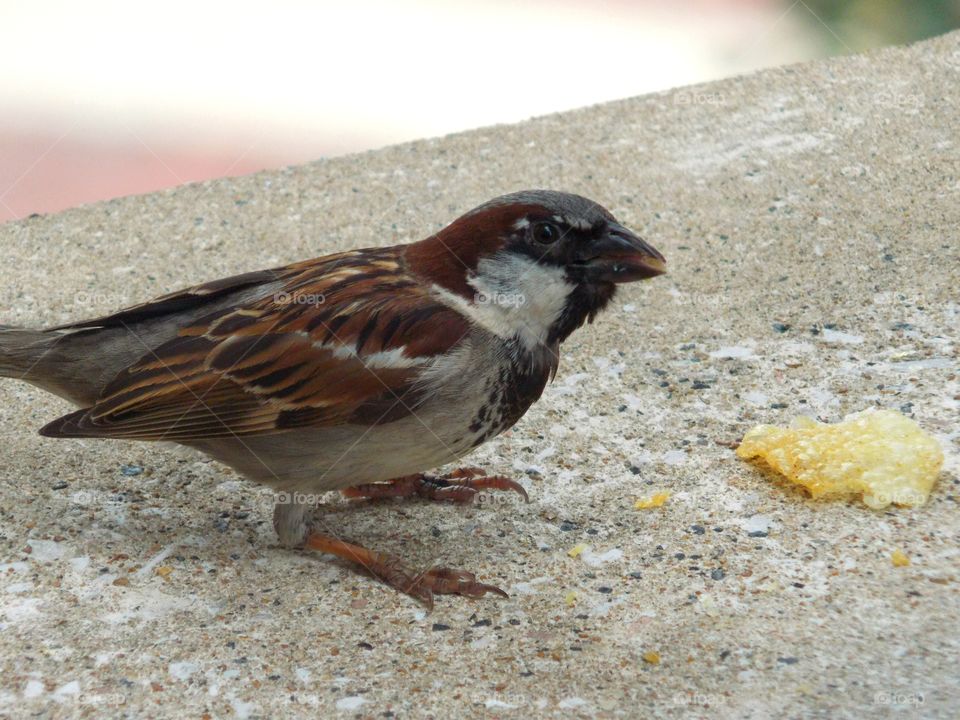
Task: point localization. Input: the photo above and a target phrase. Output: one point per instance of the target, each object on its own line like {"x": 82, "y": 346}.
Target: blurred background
{"x": 105, "y": 98}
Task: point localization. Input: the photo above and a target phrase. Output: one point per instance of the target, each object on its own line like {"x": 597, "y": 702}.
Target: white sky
{"x": 361, "y": 73}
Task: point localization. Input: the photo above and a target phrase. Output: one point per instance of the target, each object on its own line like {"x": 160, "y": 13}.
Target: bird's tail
{"x": 20, "y": 350}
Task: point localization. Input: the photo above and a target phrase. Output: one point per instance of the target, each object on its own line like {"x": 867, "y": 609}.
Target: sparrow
{"x": 359, "y": 371}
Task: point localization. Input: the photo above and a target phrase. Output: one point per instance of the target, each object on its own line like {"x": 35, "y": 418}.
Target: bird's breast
{"x": 506, "y": 401}
{"x": 483, "y": 388}
{"x": 508, "y": 390}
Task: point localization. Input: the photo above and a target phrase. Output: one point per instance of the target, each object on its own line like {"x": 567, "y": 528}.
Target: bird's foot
{"x": 390, "y": 569}
{"x": 459, "y": 486}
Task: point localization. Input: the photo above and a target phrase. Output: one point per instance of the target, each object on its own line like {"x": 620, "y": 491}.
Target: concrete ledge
{"x": 809, "y": 215}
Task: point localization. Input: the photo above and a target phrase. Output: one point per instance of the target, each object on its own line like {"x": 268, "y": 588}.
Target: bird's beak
{"x": 620, "y": 256}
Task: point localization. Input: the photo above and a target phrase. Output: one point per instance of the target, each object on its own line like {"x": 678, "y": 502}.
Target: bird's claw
{"x": 394, "y": 572}
{"x": 459, "y": 486}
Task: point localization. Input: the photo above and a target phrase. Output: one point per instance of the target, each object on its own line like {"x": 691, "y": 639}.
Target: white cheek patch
{"x": 514, "y": 297}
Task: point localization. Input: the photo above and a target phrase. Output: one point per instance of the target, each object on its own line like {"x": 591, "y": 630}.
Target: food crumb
{"x": 571, "y": 599}
{"x": 899, "y": 558}
{"x": 654, "y": 501}
{"x": 164, "y": 571}
{"x": 652, "y": 657}
{"x": 879, "y": 454}
{"x": 576, "y": 550}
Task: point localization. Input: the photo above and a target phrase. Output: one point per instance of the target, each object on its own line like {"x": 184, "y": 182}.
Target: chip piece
{"x": 654, "y": 501}
{"x": 880, "y": 454}
{"x": 899, "y": 558}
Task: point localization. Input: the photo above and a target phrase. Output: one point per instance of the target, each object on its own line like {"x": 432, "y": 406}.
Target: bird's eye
{"x": 546, "y": 233}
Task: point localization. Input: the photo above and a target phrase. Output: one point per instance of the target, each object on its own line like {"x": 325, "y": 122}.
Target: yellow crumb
{"x": 654, "y": 501}
{"x": 571, "y": 599}
{"x": 164, "y": 571}
{"x": 880, "y": 454}
{"x": 899, "y": 558}
{"x": 652, "y": 657}
{"x": 576, "y": 550}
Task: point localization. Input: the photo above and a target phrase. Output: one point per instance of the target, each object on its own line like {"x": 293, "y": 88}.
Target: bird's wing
{"x": 343, "y": 340}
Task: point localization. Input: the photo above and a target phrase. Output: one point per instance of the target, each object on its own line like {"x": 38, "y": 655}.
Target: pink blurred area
{"x": 43, "y": 173}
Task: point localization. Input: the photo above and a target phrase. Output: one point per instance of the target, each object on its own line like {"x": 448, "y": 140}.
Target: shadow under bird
{"x": 358, "y": 371}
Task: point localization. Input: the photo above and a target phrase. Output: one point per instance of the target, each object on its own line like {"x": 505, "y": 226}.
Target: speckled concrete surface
{"x": 810, "y": 218}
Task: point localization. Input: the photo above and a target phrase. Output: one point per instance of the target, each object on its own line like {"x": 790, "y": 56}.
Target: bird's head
{"x": 536, "y": 264}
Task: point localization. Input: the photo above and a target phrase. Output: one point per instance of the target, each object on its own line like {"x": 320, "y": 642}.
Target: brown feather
{"x": 302, "y": 356}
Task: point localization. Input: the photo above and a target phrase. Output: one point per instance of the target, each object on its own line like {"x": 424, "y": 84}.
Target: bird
{"x": 359, "y": 371}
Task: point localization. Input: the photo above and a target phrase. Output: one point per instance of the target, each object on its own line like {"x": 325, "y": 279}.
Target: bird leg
{"x": 459, "y": 486}
{"x": 391, "y": 570}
